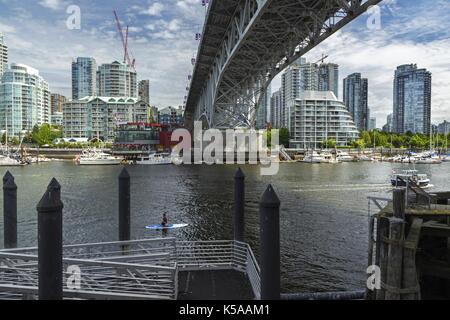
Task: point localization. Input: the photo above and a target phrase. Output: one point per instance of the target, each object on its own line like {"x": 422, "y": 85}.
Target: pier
{"x": 150, "y": 269}
{"x": 409, "y": 241}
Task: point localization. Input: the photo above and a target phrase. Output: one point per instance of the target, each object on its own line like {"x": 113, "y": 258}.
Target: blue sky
{"x": 163, "y": 43}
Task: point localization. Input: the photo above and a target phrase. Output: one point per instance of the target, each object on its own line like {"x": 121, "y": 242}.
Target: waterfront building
{"x": 318, "y": 116}
{"x": 144, "y": 90}
{"x": 3, "y": 56}
{"x": 84, "y": 77}
{"x": 24, "y": 99}
{"x": 56, "y": 108}
{"x": 276, "y": 109}
{"x": 302, "y": 76}
{"x": 137, "y": 136}
{"x": 171, "y": 116}
{"x": 356, "y": 99}
{"x": 328, "y": 78}
{"x": 263, "y": 111}
{"x": 117, "y": 80}
{"x": 412, "y": 100}
{"x": 98, "y": 117}
{"x": 444, "y": 127}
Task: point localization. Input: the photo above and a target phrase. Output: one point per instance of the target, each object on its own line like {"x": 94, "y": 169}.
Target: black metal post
{"x": 9, "y": 211}
{"x": 239, "y": 206}
{"x": 124, "y": 206}
{"x": 269, "y": 210}
{"x": 50, "y": 250}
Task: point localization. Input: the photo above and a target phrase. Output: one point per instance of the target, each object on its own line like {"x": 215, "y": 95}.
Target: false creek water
{"x": 323, "y": 215}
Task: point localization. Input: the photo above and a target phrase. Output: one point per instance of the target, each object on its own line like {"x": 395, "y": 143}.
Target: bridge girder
{"x": 246, "y": 43}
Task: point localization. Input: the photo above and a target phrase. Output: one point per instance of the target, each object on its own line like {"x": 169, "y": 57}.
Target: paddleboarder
{"x": 165, "y": 221}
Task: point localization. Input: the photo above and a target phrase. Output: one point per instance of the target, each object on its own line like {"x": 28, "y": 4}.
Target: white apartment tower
{"x": 24, "y": 99}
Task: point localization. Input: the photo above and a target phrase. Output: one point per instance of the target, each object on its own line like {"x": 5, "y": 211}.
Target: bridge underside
{"x": 246, "y": 43}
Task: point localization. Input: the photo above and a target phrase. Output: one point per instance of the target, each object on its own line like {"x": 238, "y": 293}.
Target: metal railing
{"x": 139, "y": 269}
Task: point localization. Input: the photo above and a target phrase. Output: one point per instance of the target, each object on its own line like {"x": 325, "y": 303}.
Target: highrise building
{"x": 24, "y": 99}
{"x": 84, "y": 75}
{"x": 412, "y": 100}
{"x": 319, "y": 116}
{"x": 302, "y": 76}
{"x": 276, "y": 106}
{"x": 372, "y": 124}
{"x": 56, "y": 108}
{"x": 328, "y": 77}
{"x": 356, "y": 99}
{"x": 3, "y": 56}
{"x": 144, "y": 90}
{"x": 388, "y": 126}
{"x": 263, "y": 112}
{"x": 444, "y": 127}
{"x": 117, "y": 80}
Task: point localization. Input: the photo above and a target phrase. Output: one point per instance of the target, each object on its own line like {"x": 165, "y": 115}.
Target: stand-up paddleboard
{"x": 168, "y": 227}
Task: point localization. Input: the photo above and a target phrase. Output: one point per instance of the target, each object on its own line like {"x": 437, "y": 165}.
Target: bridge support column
{"x": 9, "y": 211}
{"x": 50, "y": 249}
{"x": 239, "y": 206}
{"x": 269, "y": 209}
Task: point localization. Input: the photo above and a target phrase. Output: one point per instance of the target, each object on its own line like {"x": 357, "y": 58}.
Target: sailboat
{"x": 5, "y": 158}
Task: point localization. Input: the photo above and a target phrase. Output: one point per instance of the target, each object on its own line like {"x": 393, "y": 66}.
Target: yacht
{"x": 343, "y": 156}
{"x": 365, "y": 158}
{"x": 95, "y": 157}
{"x": 313, "y": 157}
{"x": 328, "y": 158}
{"x": 446, "y": 158}
{"x": 7, "y": 161}
{"x": 155, "y": 159}
{"x": 420, "y": 179}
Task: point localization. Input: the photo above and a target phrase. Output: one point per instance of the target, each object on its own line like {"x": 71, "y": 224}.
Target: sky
{"x": 162, "y": 40}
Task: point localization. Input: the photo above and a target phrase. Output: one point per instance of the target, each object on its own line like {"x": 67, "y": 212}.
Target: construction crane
{"x": 322, "y": 59}
{"x": 124, "y": 38}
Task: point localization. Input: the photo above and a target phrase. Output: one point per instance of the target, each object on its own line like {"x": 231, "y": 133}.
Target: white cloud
{"x": 155, "y": 9}
{"x": 51, "y": 4}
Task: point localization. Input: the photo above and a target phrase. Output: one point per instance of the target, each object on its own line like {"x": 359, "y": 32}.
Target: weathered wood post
{"x": 239, "y": 206}
{"x": 269, "y": 210}
{"x": 50, "y": 250}
{"x": 124, "y": 206}
{"x": 381, "y": 255}
{"x": 399, "y": 203}
{"x": 9, "y": 211}
{"x": 395, "y": 251}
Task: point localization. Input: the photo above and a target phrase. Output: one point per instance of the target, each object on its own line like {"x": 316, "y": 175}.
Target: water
{"x": 323, "y": 220}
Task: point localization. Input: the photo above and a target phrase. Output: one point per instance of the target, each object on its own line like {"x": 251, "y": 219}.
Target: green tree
{"x": 45, "y": 134}
{"x": 329, "y": 144}
{"x": 418, "y": 142}
{"x": 365, "y": 135}
{"x": 284, "y": 137}
{"x": 359, "y": 144}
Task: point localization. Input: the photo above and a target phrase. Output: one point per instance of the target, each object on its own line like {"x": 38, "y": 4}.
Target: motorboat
{"x": 343, "y": 156}
{"x": 8, "y": 161}
{"x": 96, "y": 157}
{"x": 313, "y": 157}
{"x": 328, "y": 158}
{"x": 400, "y": 179}
{"x": 154, "y": 159}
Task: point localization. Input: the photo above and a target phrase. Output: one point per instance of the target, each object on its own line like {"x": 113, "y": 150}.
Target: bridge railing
{"x": 139, "y": 269}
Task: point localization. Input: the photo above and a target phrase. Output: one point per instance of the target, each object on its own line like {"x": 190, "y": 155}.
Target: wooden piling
{"x": 395, "y": 259}
{"x": 381, "y": 255}
{"x": 410, "y": 281}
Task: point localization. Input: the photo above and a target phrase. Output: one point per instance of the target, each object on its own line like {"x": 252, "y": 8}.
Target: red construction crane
{"x": 124, "y": 38}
